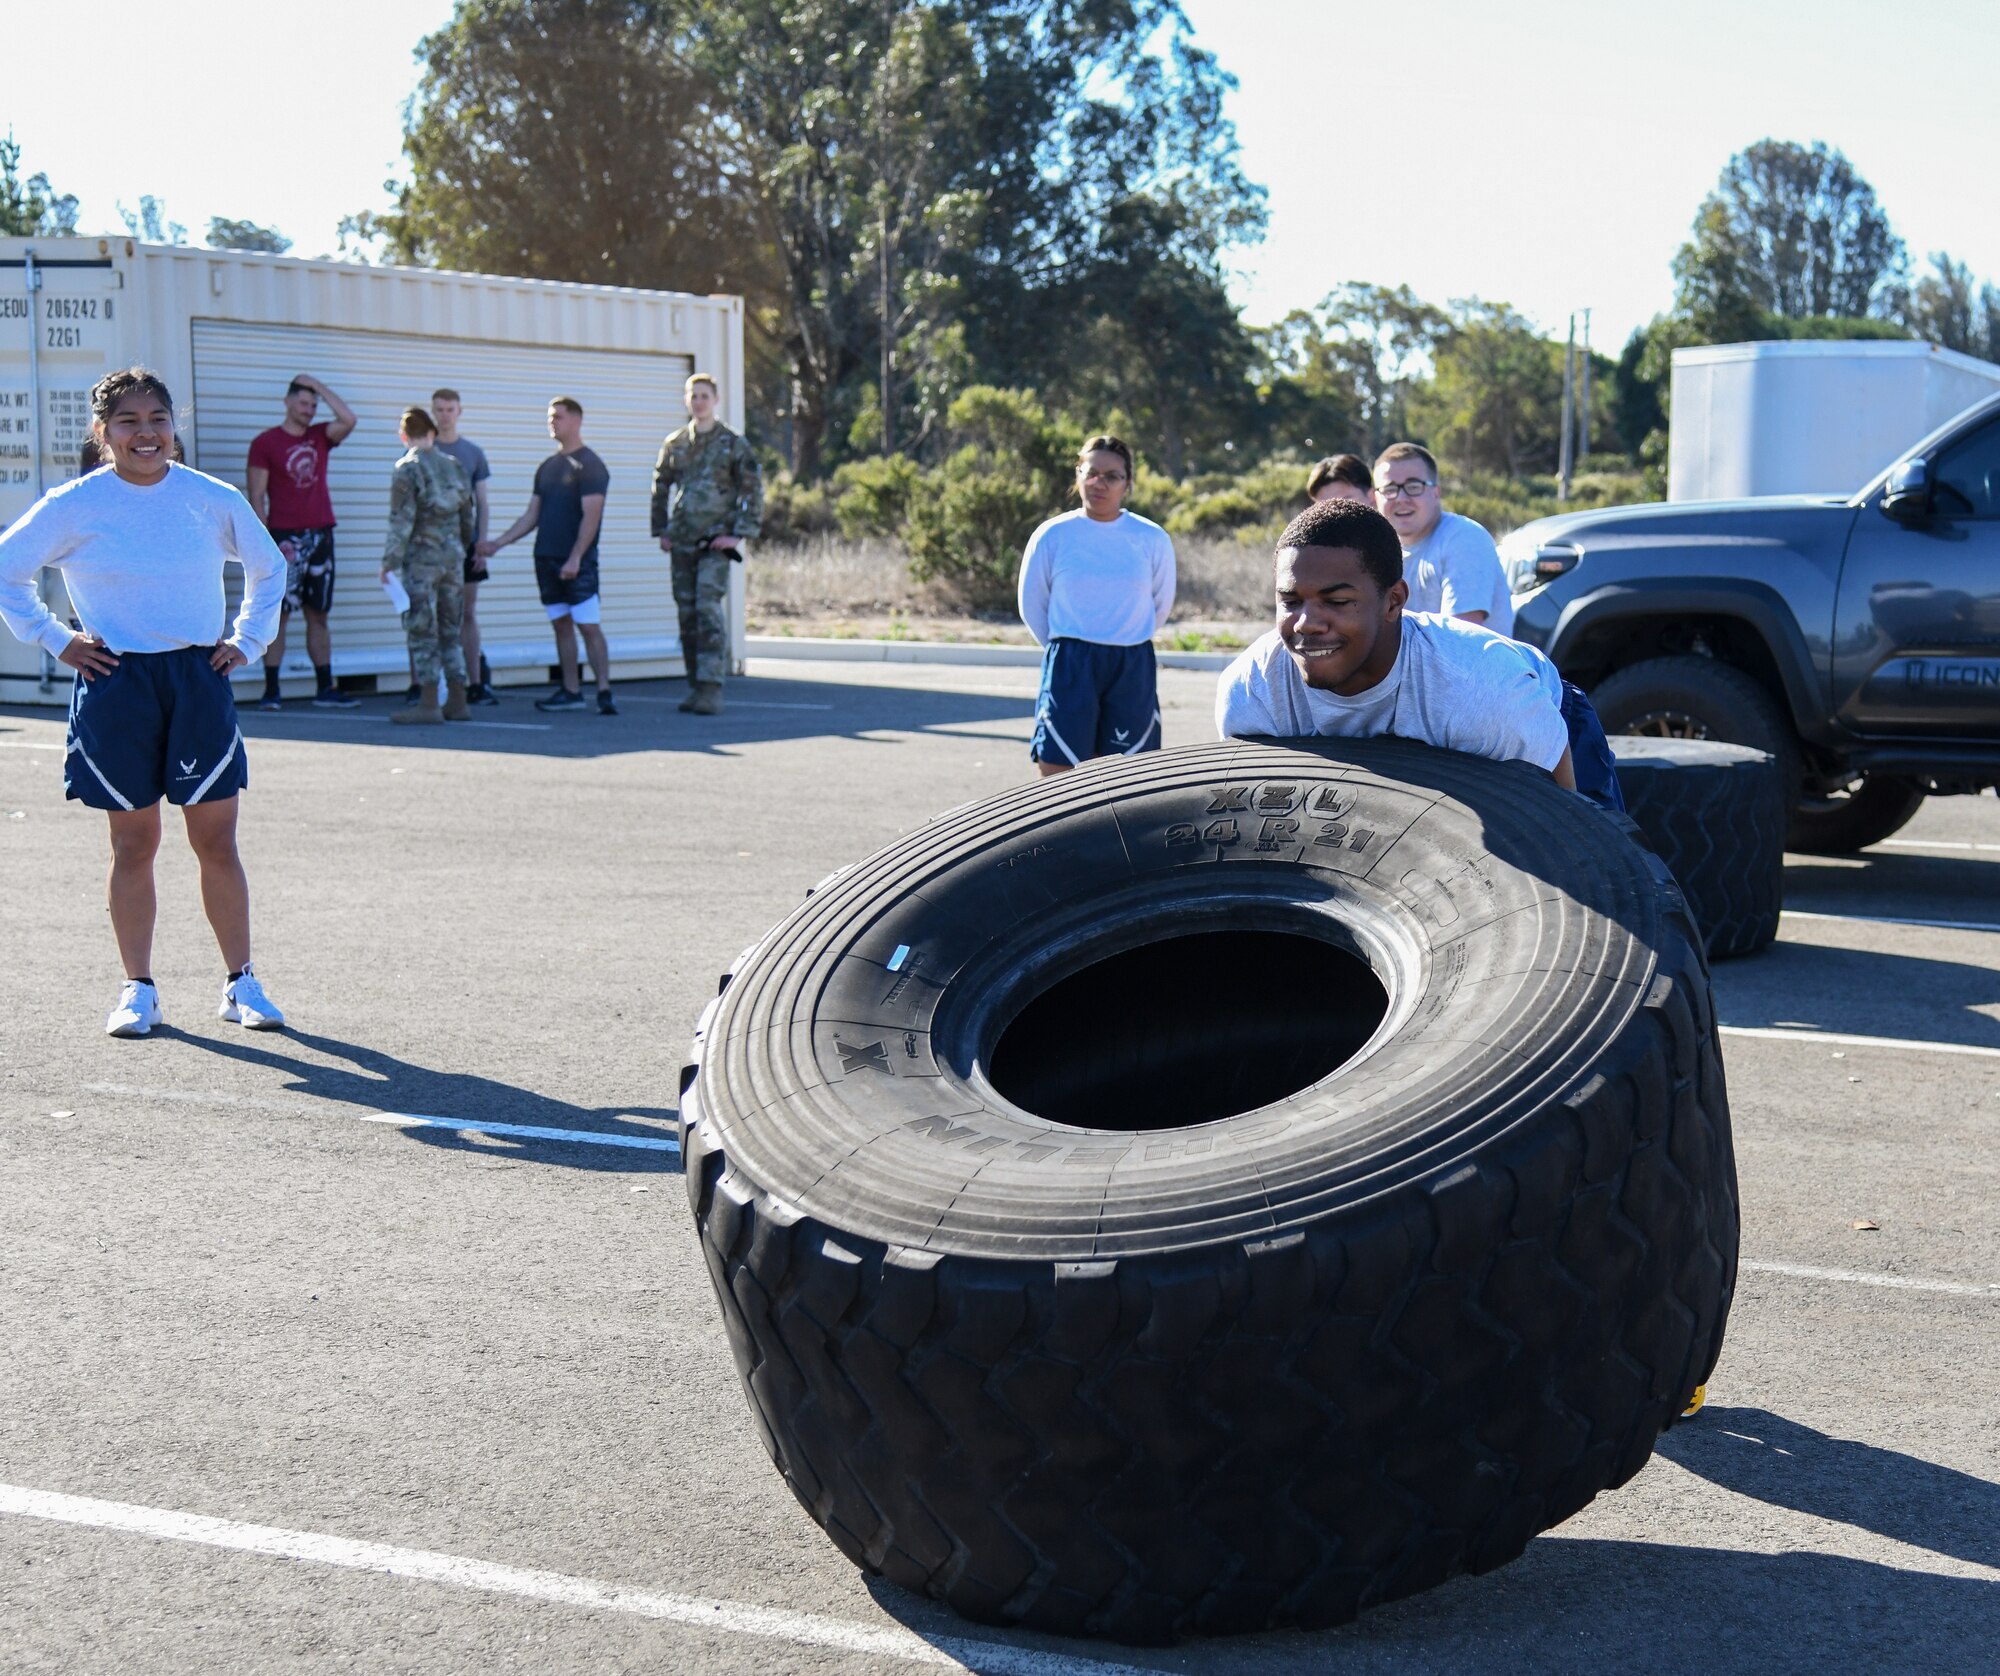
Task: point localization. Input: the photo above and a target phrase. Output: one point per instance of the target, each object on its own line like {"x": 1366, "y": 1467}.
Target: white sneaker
{"x": 138, "y": 1010}
{"x": 244, "y": 1002}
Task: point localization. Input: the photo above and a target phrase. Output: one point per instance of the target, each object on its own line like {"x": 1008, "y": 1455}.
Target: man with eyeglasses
{"x": 1450, "y": 562}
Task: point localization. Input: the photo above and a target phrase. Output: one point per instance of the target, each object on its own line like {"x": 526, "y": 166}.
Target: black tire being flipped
{"x": 1716, "y": 816}
{"x": 1220, "y": 1189}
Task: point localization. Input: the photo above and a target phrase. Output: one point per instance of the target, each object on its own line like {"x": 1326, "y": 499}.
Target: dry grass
{"x": 828, "y": 586}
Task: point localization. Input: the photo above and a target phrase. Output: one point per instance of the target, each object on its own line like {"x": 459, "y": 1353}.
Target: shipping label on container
{"x": 72, "y": 322}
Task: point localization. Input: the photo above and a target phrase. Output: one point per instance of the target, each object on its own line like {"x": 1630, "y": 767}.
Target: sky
{"x": 1546, "y": 153}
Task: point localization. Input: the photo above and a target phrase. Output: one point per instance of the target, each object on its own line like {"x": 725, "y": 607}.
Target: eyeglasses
{"x": 1409, "y": 490}
{"x": 1104, "y": 477}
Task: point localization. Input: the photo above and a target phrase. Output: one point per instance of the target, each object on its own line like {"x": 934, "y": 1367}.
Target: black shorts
{"x": 556, "y": 591}
{"x": 482, "y": 574}
{"x": 308, "y": 568}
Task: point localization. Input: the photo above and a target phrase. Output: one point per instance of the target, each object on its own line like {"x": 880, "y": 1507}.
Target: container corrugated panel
{"x": 627, "y": 400}
{"x": 385, "y": 337}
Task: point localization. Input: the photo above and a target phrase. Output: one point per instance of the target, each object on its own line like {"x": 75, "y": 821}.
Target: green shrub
{"x": 970, "y": 517}
{"x": 795, "y": 511}
{"x": 872, "y": 497}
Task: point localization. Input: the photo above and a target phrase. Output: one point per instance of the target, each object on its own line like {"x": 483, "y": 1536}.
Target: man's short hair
{"x": 1407, "y": 451}
{"x": 707, "y": 378}
{"x": 295, "y": 387}
{"x": 570, "y": 403}
{"x": 1356, "y": 526}
{"x": 444, "y": 396}
{"x": 1350, "y": 469}
{"x": 416, "y": 422}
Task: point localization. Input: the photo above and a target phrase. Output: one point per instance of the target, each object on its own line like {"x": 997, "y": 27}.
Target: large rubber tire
{"x": 1216, "y": 1355}
{"x": 1692, "y": 697}
{"x": 1877, "y": 807}
{"x": 1716, "y": 816}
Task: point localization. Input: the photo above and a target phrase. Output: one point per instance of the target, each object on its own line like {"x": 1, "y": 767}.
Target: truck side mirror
{"x": 1908, "y": 494}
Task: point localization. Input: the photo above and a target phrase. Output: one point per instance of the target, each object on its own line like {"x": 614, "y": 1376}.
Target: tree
{"x": 1191, "y": 409}
{"x": 31, "y": 208}
{"x": 149, "y": 222}
{"x": 1790, "y": 230}
{"x": 225, "y": 234}
{"x": 1494, "y": 402}
{"x": 1948, "y": 307}
{"x": 565, "y": 139}
{"x": 909, "y": 191}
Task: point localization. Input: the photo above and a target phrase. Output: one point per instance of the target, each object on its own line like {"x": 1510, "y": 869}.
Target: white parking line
{"x": 1898, "y": 919}
{"x": 1932, "y": 844}
{"x": 31, "y": 745}
{"x": 726, "y": 1617}
{"x": 412, "y": 1120}
{"x": 1901, "y": 1043}
{"x": 1857, "y": 1277}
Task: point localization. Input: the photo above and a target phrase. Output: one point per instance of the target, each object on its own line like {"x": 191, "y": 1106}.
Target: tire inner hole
{"x": 1187, "y": 1030}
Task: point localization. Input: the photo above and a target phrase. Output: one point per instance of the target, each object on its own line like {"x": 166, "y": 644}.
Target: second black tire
{"x": 1716, "y": 816}
{"x": 1219, "y": 1190}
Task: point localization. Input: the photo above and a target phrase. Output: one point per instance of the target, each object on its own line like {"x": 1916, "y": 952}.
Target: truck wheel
{"x": 1220, "y": 1189}
{"x": 1716, "y": 816}
{"x": 1862, "y": 814}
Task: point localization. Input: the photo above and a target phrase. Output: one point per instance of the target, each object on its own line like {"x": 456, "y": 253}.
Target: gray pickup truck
{"x": 1857, "y": 639}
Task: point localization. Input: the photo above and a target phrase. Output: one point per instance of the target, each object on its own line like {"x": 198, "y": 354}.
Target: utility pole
{"x": 1563, "y": 465}
{"x": 1584, "y": 410}
{"x": 887, "y": 327}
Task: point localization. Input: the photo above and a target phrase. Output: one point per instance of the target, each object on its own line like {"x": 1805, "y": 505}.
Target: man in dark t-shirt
{"x": 566, "y": 511}
{"x": 286, "y": 486}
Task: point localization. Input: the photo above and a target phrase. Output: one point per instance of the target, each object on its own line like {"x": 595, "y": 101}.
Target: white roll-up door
{"x": 630, "y": 401}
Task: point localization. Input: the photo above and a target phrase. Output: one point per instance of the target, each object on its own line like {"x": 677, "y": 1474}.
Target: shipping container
{"x": 1810, "y": 417}
{"x": 228, "y": 330}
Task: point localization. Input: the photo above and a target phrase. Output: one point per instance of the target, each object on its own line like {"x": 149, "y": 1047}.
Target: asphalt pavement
{"x": 316, "y": 1356}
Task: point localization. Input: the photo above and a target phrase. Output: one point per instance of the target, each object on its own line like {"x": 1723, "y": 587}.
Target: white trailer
{"x": 228, "y": 330}
{"x": 1809, "y": 417}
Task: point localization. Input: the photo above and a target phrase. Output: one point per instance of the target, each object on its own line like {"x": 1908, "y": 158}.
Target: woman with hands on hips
{"x": 141, "y": 543}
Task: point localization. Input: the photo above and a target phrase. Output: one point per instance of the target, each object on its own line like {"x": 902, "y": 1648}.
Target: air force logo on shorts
{"x": 162, "y": 724}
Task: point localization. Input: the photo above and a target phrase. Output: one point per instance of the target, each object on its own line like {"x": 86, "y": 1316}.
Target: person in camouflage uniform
{"x": 720, "y": 506}
{"x": 432, "y": 520}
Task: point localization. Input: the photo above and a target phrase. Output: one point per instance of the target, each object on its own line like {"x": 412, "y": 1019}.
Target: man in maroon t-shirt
{"x": 287, "y": 489}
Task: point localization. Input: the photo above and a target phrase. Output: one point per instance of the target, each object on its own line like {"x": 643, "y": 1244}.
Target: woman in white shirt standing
{"x": 1096, "y": 584}
{"x": 141, "y": 543}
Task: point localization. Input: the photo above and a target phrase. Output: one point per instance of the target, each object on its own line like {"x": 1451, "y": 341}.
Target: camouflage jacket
{"x": 432, "y": 513}
{"x": 721, "y": 487}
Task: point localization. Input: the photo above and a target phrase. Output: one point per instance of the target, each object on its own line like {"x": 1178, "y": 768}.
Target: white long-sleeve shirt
{"x": 1108, "y": 582}
{"x": 143, "y": 564}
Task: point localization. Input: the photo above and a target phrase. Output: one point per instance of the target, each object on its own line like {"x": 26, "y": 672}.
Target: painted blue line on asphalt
{"x": 528, "y": 1132}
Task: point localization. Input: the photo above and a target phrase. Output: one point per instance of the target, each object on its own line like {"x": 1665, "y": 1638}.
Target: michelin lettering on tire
{"x": 1219, "y": 1190}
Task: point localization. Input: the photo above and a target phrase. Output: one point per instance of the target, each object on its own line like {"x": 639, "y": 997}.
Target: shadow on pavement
{"x": 382, "y": 1082}
{"x": 1862, "y": 992}
{"x": 757, "y": 710}
{"x": 1896, "y": 882}
{"x": 1582, "y": 1607}
{"x": 1760, "y": 1454}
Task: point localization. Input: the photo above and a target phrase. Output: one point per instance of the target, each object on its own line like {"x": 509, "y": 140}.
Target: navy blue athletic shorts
{"x": 1590, "y": 757}
{"x": 162, "y": 724}
{"x": 1096, "y": 701}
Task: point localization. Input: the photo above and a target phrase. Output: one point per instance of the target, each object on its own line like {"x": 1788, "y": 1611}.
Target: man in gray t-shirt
{"x": 1347, "y": 660}
{"x": 1449, "y": 562}
{"x": 446, "y": 409}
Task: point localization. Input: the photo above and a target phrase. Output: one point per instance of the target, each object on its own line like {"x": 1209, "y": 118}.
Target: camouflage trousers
{"x": 701, "y": 592}
{"x": 437, "y": 609}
